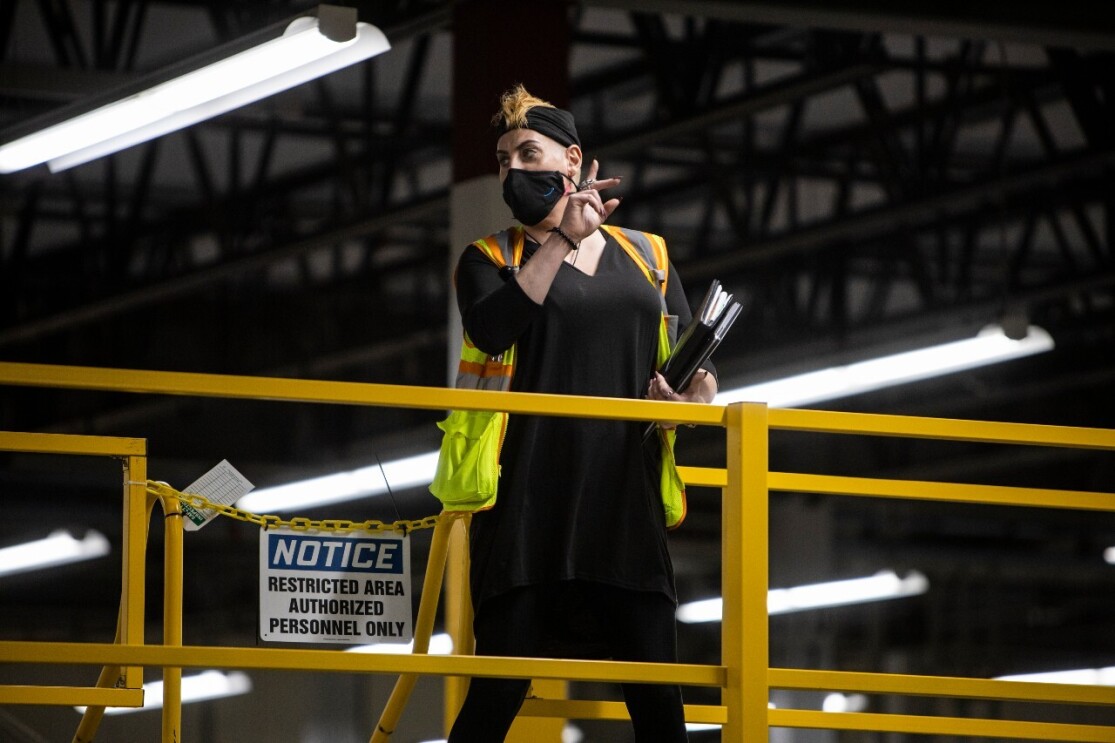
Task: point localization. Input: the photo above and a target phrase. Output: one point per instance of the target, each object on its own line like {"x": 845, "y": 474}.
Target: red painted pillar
{"x": 496, "y": 45}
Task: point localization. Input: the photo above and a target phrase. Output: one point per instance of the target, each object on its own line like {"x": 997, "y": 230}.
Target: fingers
{"x": 590, "y": 183}
{"x": 610, "y": 206}
{"x": 658, "y": 389}
{"x": 593, "y": 169}
{"x": 592, "y": 199}
{"x": 586, "y": 209}
{"x": 588, "y": 199}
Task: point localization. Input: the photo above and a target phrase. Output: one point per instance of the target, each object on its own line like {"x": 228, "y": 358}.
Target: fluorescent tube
{"x": 569, "y": 734}
{"x": 1088, "y": 676}
{"x": 837, "y": 702}
{"x": 343, "y": 486}
{"x": 879, "y": 587}
{"x": 197, "y": 688}
{"x": 59, "y": 548}
{"x": 301, "y": 54}
{"x": 990, "y": 346}
{"x": 440, "y": 644}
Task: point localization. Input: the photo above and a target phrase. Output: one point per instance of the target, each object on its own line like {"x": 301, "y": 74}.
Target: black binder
{"x": 714, "y": 318}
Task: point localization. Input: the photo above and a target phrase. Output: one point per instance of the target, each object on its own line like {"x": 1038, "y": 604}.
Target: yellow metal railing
{"x": 879, "y": 683}
{"x": 119, "y": 685}
{"x": 744, "y": 675}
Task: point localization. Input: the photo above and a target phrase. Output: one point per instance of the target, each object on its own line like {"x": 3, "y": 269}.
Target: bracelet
{"x": 561, "y": 233}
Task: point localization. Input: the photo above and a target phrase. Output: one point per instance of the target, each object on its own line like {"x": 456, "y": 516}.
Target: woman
{"x": 572, "y": 560}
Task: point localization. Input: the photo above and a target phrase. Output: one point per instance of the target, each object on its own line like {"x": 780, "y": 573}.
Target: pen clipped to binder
{"x": 712, "y": 321}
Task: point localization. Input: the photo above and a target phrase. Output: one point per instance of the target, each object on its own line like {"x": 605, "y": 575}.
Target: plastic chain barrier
{"x": 299, "y": 523}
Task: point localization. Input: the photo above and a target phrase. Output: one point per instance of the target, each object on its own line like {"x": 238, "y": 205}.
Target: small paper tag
{"x": 223, "y": 484}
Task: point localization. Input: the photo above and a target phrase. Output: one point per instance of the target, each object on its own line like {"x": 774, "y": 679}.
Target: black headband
{"x": 555, "y": 123}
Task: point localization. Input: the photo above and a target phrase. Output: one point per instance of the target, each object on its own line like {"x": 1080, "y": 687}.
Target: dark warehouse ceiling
{"x": 864, "y": 180}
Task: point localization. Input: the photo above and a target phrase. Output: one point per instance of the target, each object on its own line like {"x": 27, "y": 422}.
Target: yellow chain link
{"x": 300, "y": 523}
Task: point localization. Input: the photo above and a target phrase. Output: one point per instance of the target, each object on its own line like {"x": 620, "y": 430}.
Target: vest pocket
{"x": 467, "y": 473}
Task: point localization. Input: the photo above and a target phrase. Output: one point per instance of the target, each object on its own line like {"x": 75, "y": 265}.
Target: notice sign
{"x": 350, "y": 588}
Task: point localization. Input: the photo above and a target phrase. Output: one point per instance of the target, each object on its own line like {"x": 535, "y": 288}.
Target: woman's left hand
{"x": 701, "y": 389}
{"x": 585, "y": 209}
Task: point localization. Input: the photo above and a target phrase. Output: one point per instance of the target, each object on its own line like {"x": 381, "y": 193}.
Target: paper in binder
{"x": 712, "y": 321}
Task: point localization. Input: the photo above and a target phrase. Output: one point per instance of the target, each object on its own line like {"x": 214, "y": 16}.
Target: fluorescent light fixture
{"x": 198, "y": 688}
{"x": 572, "y": 734}
{"x": 59, "y": 548}
{"x": 837, "y": 702}
{"x": 1088, "y": 676}
{"x": 342, "y": 486}
{"x": 879, "y": 587}
{"x": 1109, "y": 555}
{"x": 990, "y": 346}
{"x": 882, "y": 586}
{"x": 569, "y": 734}
{"x": 308, "y": 48}
{"x": 440, "y": 644}
{"x": 699, "y": 727}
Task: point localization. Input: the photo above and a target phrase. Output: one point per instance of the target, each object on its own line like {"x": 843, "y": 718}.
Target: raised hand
{"x": 586, "y": 210}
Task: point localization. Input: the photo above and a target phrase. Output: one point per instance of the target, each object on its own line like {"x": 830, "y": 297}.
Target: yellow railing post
{"x": 458, "y": 616}
{"x": 744, "y": 633}
{"x": 172, "y": 617}
{"x": 114, "y": 675}
{"x": 134, "y": 561}
{"x": 423, "y": 626}
{"x": 109, "y": 677}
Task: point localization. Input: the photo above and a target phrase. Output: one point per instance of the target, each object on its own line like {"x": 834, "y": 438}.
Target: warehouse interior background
{"x": 865, "y": 180}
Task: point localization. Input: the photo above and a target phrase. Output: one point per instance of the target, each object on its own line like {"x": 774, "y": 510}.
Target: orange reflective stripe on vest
{"x": 479, "y": 371}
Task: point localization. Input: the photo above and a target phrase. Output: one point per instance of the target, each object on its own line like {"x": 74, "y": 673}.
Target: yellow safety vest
{"x": 473, "y": 440}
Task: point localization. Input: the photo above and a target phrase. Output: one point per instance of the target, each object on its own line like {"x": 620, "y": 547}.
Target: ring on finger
{"x": 586, "y": 184}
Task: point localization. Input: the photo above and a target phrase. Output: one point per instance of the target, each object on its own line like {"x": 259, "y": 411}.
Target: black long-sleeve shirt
{"x": 578, "y": 499}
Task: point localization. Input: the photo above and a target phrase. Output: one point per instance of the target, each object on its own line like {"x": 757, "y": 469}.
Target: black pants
{"x": 574, "y": 619}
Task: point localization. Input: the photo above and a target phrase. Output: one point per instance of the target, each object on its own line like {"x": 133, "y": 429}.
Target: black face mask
{"x": 531, "y": 194}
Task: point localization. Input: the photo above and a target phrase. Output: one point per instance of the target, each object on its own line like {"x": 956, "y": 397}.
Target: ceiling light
{"x": 440, "y": 644}
{"x": 227, "y": 78}
{"x": 879, "y": 587}
{"x": 198, "y": 688}
{"x": 705, "y": 610}
{"x": 1109, "y": 555}
{"x": 57, "y": 549}
{"x": 1088, "y": 676}
{"x": 836, "y": 702}
{"x": 882, "y": 586}
{"x": 990, "y": 346}
{"x": 343, "y": 486}
{"x": 699, "y": 727}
